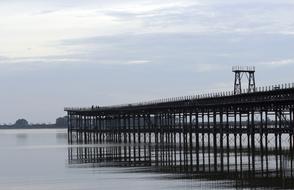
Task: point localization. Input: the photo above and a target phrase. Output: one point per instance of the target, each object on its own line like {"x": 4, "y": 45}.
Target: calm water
{"x": 38, "y": 160}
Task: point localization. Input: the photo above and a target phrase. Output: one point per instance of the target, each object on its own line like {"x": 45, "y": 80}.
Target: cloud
{"x": 55, "y": 21}
{"x": 212, "y": 17}
{"x": 44, "y": 12}
{"x": 207, "y": 67}
{"x": 138, "y": 62}
{"x": 279, "y": 63}
{"x": 2, "y": 58}
{"x": 47, "y": 59}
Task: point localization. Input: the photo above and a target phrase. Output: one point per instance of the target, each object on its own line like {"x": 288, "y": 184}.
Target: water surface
{"x": 37, "y": 159}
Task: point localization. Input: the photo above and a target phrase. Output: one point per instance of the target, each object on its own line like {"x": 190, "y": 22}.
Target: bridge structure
{"x": 247, "y": 134}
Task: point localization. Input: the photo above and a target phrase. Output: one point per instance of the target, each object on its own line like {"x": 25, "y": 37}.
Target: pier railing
{"x": 186, "y": 98}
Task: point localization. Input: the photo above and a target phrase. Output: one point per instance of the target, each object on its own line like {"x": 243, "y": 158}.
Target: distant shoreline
{"x": 61, "y": 123}
{"x": 34, "y": 127}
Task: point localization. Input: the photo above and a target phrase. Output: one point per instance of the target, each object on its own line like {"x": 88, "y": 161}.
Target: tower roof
{"x": 243, "y": 69}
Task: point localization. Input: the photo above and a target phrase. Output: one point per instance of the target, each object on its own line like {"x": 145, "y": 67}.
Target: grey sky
{"x": 78, "y": 53}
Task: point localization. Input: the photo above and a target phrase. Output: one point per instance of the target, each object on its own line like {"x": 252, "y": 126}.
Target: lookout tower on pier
{"x": 240, "y": 71}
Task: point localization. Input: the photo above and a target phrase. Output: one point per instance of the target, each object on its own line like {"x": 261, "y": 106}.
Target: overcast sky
{"x": 61, "y": 53}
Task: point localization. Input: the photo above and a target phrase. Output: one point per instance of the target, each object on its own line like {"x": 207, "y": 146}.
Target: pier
{"x": 243, "y": 135}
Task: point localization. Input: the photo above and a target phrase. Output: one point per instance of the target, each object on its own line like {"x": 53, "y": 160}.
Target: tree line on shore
{"x": 61, "y": 122}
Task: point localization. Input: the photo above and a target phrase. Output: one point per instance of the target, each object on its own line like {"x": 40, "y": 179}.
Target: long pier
{"x": 248, "y": 135}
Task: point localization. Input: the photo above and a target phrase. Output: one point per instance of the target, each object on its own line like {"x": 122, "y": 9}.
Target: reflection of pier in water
{"x": 245, "y": 136}
{"x": 270, "y": 169}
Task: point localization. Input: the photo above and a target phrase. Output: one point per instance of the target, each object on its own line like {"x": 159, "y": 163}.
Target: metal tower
{"x": 240, "y": 71}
